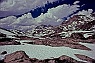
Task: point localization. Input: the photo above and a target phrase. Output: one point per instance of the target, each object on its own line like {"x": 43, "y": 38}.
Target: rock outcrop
{"x": 4, "y": 52}
{"x": 91, "y": 37}
{"x": 21, "y": 57}
{"x": 17, "y": 57}
{"x": 77, "y": 36}
{"x": 10, "y": 43}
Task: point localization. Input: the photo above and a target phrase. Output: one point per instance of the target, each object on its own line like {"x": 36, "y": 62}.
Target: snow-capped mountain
{"x": 79, "y": 22}
{"x": 76, "y": 24}
{"x": 74, "y": 19}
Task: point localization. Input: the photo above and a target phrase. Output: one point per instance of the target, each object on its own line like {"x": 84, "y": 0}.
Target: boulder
{"x": 4, "y": 52}
{"x": 91, "y": 37}
{"x": 17, "y": 57}
{"x": 62, "y": 59}
{"x": 77, "y": 36}
{"x": 10, "y": 43}
{"x": 66, "y": 59}
{"x": 1, "y": 61}
{"x": 21, "y": 57}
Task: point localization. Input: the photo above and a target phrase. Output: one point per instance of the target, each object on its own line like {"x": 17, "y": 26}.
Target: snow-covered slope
{"x": 8, "y": 33}
{"x": 81, "y": 21}
{"x": 4, "y": 31}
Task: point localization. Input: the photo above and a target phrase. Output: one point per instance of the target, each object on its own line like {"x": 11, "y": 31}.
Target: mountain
{"x": 80, "y": 24}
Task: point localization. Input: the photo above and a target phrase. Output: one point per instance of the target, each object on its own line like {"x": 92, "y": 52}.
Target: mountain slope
{"x": 76, "y": 24}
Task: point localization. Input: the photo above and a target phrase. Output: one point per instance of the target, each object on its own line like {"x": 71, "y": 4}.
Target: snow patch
{"x": 6, "y": 32}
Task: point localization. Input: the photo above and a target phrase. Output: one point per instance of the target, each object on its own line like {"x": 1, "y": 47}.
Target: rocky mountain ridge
{"x": 77, "y": 23}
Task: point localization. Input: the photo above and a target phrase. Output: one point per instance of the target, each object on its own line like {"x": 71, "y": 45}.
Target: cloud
{"x": 54, "y": 16}
{"x": 2, "y": 1}
{"x": 85, "y": 12}
{"x": 76, "y": 2}
{"x": 20, "y": 7}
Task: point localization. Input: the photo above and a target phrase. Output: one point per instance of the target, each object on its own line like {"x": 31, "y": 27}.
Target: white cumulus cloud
{"x": 76, "y": 2}
{"x": 85, "y": 12}
{"x": 54, "y": 16}
{"x": 21, "y": 6}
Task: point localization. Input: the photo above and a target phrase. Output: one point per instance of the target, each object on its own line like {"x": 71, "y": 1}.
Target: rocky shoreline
{"x": 67, "y": 42}
{"x": 9, "y": 43}
{"x": 22, "y": 57}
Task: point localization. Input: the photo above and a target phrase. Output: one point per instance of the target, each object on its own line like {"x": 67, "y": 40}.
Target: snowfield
{"x": 22, "y": 41}
{"x": 6, "y": 32}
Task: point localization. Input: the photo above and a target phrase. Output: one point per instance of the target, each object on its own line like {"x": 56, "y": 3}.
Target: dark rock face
{"x": 4, "y": 52}
{"x": 2, "y": 35}
{"x": 5, "y": 39}
{"x": 86, "y": 58}
{"x": 66, "y": 59}
{"x": 9, "y": 43}
{"x": 77, "y": 36}
{"x": 62, "y": 59}
{"x": 93, "y": 61}
{"x": 88, "y": 25}
{"x": 91, "y": 37}
{"x": 1, "y": 61}
{"x": 79, "y": 22}
{"x": 17, "y": 57}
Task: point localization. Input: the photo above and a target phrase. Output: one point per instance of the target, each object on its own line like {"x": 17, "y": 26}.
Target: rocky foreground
{"x": 22, "y": 57}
